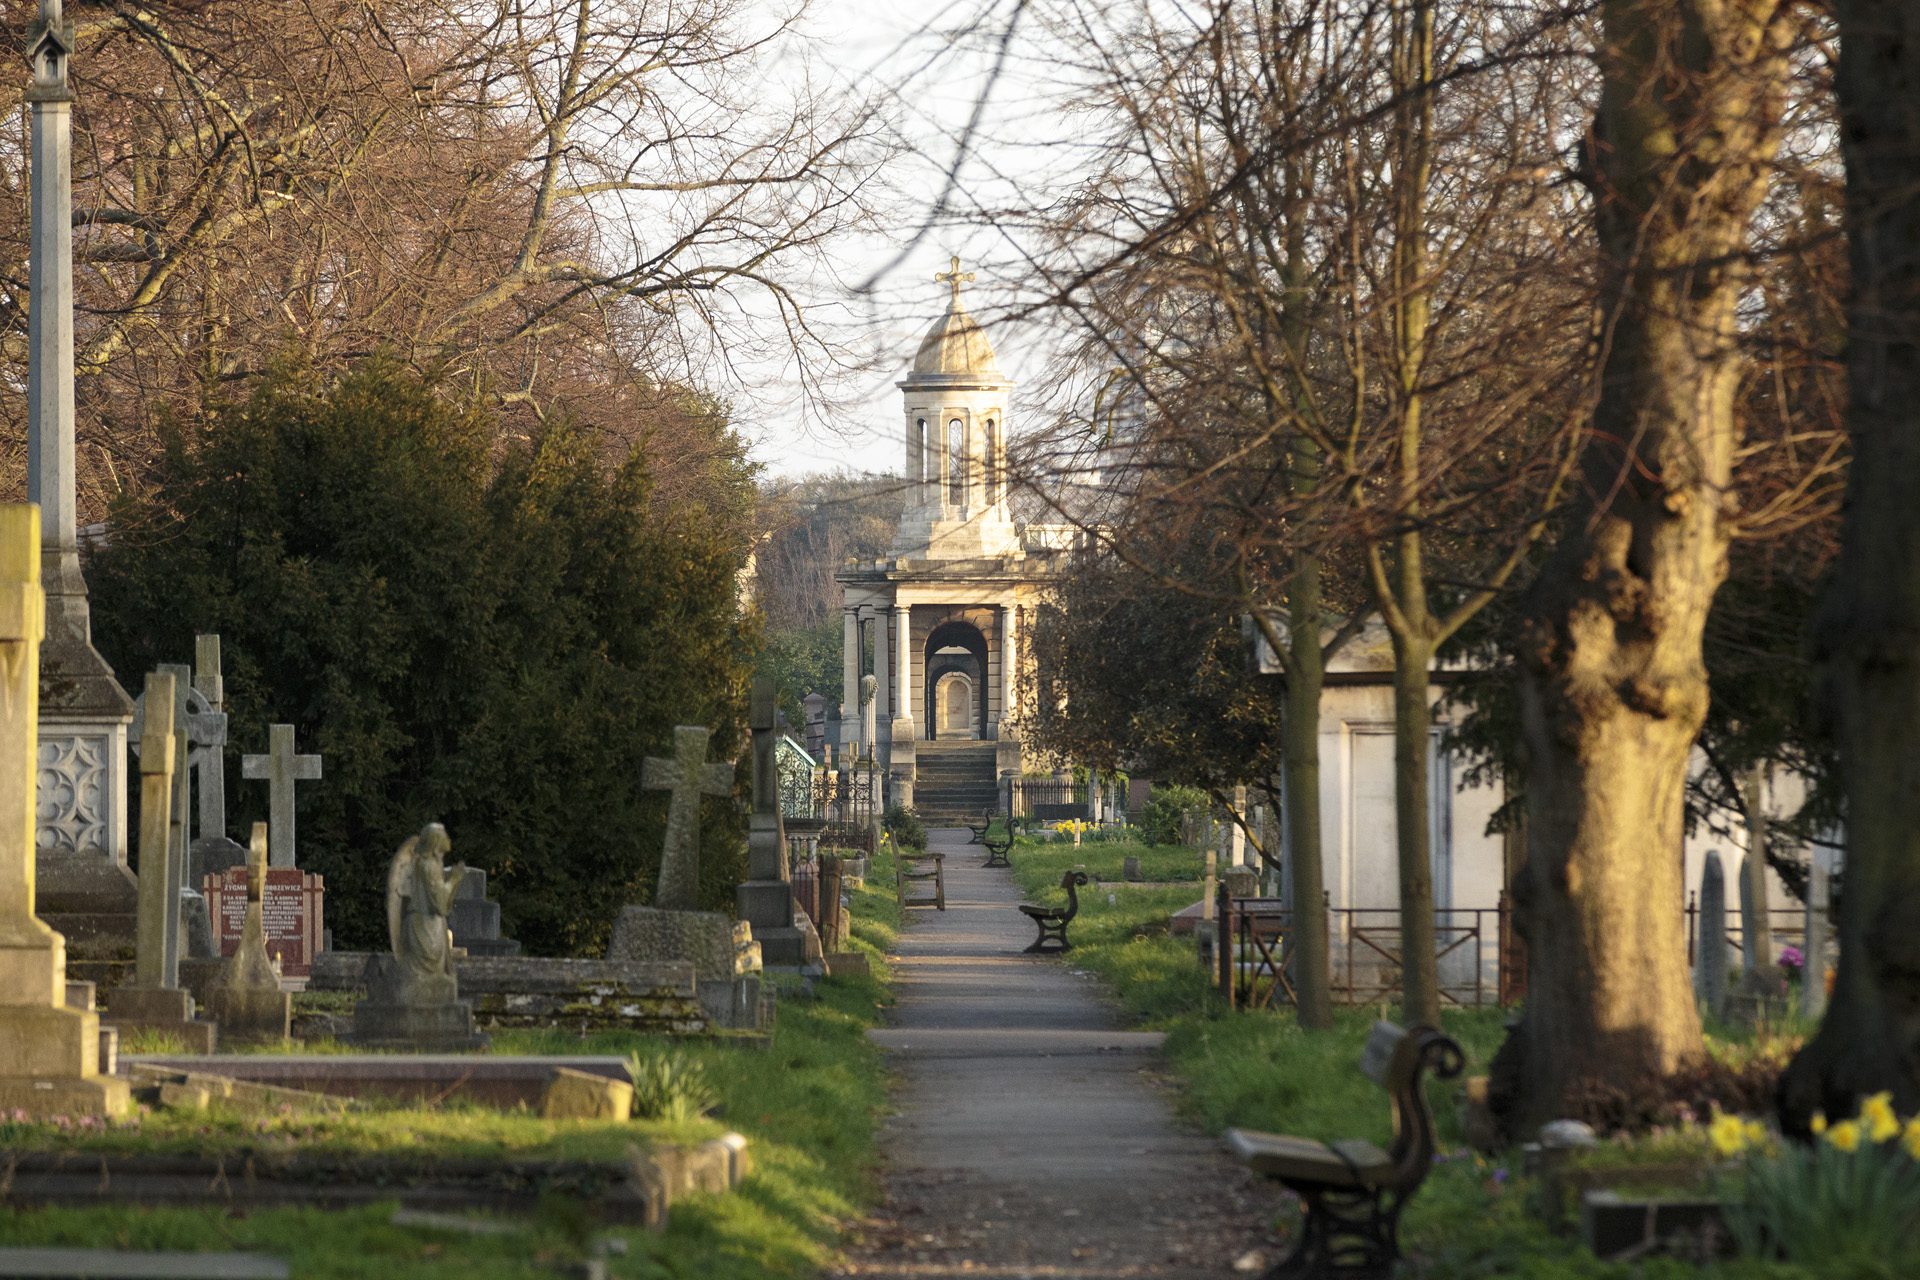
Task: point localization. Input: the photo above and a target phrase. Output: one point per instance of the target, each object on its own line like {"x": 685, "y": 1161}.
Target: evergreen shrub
{"x": 485, "y": 633}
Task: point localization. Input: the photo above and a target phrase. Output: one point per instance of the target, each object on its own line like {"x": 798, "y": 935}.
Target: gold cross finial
{"x": 954, "y": 277}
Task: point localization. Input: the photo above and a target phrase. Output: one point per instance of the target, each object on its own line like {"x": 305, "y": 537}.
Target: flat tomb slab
{"x": 503, "y": 1080}
{"x": 637, "y": 1190}
{"x": 110, "y": 1264}
{"x": 523, "y": 975}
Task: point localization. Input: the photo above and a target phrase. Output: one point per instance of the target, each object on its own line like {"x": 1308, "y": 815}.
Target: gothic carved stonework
{"x": 70, "y": 813}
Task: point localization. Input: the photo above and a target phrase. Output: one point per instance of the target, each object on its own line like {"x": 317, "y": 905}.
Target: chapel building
{"x": 941, "y": 613}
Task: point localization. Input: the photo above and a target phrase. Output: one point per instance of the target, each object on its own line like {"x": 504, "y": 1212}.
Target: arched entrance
{"x": 956, "y": 681}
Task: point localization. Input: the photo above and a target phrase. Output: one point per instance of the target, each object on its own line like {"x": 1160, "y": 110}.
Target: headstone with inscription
{"x": 1710, "y": 947}
{"x": 765, "y": 900}
{"x": 293, "y": 914}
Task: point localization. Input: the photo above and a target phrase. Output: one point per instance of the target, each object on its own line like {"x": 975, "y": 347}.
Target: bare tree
{"x": 1870, "y": 1038}
{"x": 1613, "y": 686}
{"x": 570, "y": 207}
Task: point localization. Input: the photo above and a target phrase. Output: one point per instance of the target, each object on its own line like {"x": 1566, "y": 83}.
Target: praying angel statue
{"x": 419, "y": 897}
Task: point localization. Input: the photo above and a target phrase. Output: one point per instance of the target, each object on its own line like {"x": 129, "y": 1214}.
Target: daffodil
{"x": 1877, "y": 1113}
{"x": 1910, "y": 1139}
{"x": 1819, "y": 1123}
{"x": 1845, "y": 1135}
{"x": 1728, "y": 1134}
{"x": 1756, "y": 1134}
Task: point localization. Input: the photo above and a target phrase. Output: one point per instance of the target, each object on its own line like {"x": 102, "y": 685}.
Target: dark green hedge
{"x": 491, "y": 635}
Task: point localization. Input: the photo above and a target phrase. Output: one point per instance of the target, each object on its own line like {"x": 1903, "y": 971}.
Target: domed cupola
{"x": 956, "y": 437}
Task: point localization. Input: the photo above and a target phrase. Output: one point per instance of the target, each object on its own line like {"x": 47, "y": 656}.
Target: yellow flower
{"x": 1845, "y": 1135}
{"x": 1877, "y": 1111}
{"x": 1911, "y": 1138}
{"x": 1756, "y": 1134}
{"x": 1819, "y": 1124}
{"x": 1729, "y": 1136}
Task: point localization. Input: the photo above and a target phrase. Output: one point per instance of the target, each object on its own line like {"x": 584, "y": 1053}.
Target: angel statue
{"x": 419, "y": 896}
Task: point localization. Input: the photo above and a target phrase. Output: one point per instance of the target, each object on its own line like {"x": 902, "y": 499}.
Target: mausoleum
{"x": 941, "y": 612}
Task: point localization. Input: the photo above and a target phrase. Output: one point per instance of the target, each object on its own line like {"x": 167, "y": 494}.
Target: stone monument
{"x": 155, "y": 999}
{"x": 726, "y": 959}
{"x": 1710, "y": 948}
{"x": 413, "y": 994}
{"x": 49, "y": 1053}
{"x": 280, "y": 769}
{"x": 81, "y": 770}
{"x": 197, "y": 728}
{"x": 475, "y": 921}
{"x": 211, "y": 852}
{"x": 765, "y": 901}
{"x": 1813, "y": 968}
{"x": 245, "y": 999}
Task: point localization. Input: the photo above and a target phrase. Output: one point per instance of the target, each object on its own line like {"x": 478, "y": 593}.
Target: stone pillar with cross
{"x": 280, "y": 768}
{"x": 49, "y": 1053}
{"x": 81, "y": 812}
{"x": 211, "y": 852}
{"x": 765, "y": 899}
{"x": 726, "y": 959}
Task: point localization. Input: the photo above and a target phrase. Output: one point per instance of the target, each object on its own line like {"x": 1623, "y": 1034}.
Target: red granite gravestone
{"x": 293, "y": 908}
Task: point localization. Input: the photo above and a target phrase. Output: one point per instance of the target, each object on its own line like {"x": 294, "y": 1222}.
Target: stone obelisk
{"x": 49, "y": 1054}
{"x": 81, "y": 831}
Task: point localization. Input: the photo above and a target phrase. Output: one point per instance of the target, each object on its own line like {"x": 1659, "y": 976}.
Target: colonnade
{"x": 895, "y": 665}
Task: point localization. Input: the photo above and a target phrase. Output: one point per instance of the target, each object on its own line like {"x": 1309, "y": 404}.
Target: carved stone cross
{"x": 956, "y": 278}
{"x": 688, "y": 776}
{"x": 281, "y": 768}
{"x": 764, "y": 718}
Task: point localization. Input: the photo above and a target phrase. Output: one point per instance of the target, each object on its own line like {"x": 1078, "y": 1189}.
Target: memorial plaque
{"x": 292, "y": 908}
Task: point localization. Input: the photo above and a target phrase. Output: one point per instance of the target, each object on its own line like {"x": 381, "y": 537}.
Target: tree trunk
{"x": 1613, "y": 684}
{"x": 1868, "y": 633}
{"x": 1419, "y": 970}
{"x": 1312, "y": 983}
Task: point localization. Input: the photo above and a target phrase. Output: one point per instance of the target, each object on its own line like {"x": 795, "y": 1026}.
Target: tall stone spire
{"x": 84, "y": 712}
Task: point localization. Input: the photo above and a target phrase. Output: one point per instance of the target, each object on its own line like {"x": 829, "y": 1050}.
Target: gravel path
{"x": 1033, "y": 1136}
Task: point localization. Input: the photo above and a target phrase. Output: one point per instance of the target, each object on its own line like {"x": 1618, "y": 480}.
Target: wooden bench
{"x": 997, "y": 850}
{"x": 980, "y": 828}
{"x": 907, "y": 871}
{"x": 1353, "y": 1191}
{"x": 1053, "y": 921}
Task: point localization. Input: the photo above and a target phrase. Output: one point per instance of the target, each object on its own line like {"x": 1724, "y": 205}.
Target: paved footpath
{"x": 1032, "y": 1137}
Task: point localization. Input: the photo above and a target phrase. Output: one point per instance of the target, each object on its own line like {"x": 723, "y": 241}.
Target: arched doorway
{"x": 953, "y": 704}
{"x": 956, "y": 678}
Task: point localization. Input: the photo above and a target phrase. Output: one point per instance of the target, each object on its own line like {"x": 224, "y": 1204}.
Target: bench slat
{"x": 1279, "y": 1155}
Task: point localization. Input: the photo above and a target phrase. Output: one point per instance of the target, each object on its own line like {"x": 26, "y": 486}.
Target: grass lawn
{"x": 1259, "y": 1070}
{"x": 808, "y": 1105}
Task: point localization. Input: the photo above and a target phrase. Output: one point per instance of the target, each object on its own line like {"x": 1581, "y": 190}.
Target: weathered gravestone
{"x": 413, "y": 995}
{"x": 765, "y": 901}
{"x": 245, "y": 999}
{"x": 726, "y": 959}
{"x": 155, "y": 1000}
{"x": 1710, "y": 948}
{"x": 49, "y": 1053}
{"x": 1760, "y": 995}
{"x": 196, "y": 726}
{"x": 211, "y": 851}
{"x": 475, "y": 921}
{"x": 281, "y": 768}
{"x": 292, "y": 905}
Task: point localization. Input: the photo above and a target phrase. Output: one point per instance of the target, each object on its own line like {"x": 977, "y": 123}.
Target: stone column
{"x": 903, "y": 752}
{"x": 882, "y": 661}
{"x": 850, "y": 675}
{"x": 81, "y": 831}
{"x": 903, "y": 636}
{"x": 1009, "y": 662}
{"x": 1756, "y": 923}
